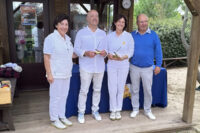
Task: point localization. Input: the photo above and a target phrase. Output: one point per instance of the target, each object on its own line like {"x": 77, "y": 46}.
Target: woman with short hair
{"x": 58, "y": 52}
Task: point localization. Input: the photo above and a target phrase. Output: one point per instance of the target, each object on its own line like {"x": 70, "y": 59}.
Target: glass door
{"x": 29, "y": 26}
{"x": 29, "y": 31}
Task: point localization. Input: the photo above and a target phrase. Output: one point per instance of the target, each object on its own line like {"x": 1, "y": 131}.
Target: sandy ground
{"x": 176, "y": 92}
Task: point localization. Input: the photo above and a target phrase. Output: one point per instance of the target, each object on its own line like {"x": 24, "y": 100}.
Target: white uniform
{"x": 90, "y": 68}
{"x": 60, "y": 51}
{"x": 118, "y": 70}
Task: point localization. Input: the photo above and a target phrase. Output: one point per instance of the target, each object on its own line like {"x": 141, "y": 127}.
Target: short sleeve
{"x": 48, "y": 46}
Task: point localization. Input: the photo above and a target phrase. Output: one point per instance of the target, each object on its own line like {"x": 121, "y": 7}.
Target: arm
{"x": 131, "y": 46}
{"x": 104, "y": 51}
{"x": 158, "y": 55}
{"x": 48, "y": 68}
{"x": 109, "y": 53}
{"x": 48, "y": 50}
{"x": 78, "y": 50}
{"x": 77, "y": 46}
{"x": 74, "y": 56}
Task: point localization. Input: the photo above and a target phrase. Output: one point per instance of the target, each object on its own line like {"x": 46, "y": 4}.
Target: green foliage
{"x": 158, "y": 8}
{"x": 169, "y": 31}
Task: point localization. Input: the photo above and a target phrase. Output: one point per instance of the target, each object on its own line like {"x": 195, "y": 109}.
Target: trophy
{"x": 96, "y": 50}
{"x": 115, "y": 55}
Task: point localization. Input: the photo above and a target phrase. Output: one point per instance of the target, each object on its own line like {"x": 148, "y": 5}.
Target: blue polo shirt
{"x": 147, "y": 48}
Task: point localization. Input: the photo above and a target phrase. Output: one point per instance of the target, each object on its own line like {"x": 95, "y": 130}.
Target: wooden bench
{"x": 6, "y": 121}
{"x": 173, "y": 60}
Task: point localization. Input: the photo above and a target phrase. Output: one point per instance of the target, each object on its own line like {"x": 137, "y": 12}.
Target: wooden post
{"x": 192, "y": 71}
{"x": 61, "y": 7}
{"x": 194, "y": 6}
{"x": 52, "y": 15}
{"x": 4, "y": 45}
{"x": 92, "y": 4}
{"x": 1, "y": 49}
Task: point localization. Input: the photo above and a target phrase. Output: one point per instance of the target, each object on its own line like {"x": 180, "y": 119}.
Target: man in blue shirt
{"x": 147, "y": 48}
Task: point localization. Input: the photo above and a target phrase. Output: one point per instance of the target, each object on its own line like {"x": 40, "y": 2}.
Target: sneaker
{"x": 134, "y": 114}
{"x": 150, "y": 115}
{"x": 58, "y": 124}
{"x": 81, "y": 118}
{"x": 66, "y": 121}
{"x": 97, "y": 116}
{"x": 118, "y": 115}
{"x": 112, "y": 116}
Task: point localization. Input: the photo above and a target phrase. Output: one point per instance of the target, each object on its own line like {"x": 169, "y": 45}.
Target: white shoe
{"x": 58, "y": 124}
{"x": 150, "y": 115}
{"x": 97, "y": 116}
{"x": 118, "y": 115}
{"x": 66, "y": 121}
{"x": 112, "y": 116}
{"x": 134, "y": 114}
{"x": 81, "y": 118}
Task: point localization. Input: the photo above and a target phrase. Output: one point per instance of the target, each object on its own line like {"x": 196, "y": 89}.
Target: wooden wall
{"x": 57, "y": 7}
{"x": 61, "y": 6}
{"x": 128, "y": 13}
{"x": 4, "y": 45}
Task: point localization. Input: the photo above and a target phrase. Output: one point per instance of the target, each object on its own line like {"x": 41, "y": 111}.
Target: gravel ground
{"x": 176, "y": 92}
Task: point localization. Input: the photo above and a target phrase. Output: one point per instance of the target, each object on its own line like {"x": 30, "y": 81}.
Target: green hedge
{"x": 170, "y": 37}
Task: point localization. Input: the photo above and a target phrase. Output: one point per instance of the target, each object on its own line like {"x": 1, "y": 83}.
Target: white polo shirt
{"x": 87, "y": 40}
{"x": 60, "y": 51}
{"x": 122, "y": 45}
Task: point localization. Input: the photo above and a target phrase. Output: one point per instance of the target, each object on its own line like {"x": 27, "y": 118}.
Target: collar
{"x": 147, "y": 31}
{"x": 119, "y": 35}
{"x": 91, "y": 30}
{"x": 58, "y": 34}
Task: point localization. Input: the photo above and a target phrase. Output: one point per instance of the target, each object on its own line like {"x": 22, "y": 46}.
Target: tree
{"x": 158, "y": 8}
{"x": 184, "y": 42}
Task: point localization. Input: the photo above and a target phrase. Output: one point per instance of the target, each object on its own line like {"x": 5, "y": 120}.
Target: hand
{"x": 50, "y": 78}
{"x": 103, "y": 53}
{"x": 110, "y": 57}
{"x": 157, "y": 70}
{"x": 74, "y": 56}
{"x": 122, "y": 58}
{"x": 90, "y": 54}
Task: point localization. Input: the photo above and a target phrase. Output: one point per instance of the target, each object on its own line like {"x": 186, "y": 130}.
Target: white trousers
{"x": 146, "y": 75}
{"x": 58, "y": 96}
{"x": 116, "y": 83}
{"x": 86, "y": 79}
